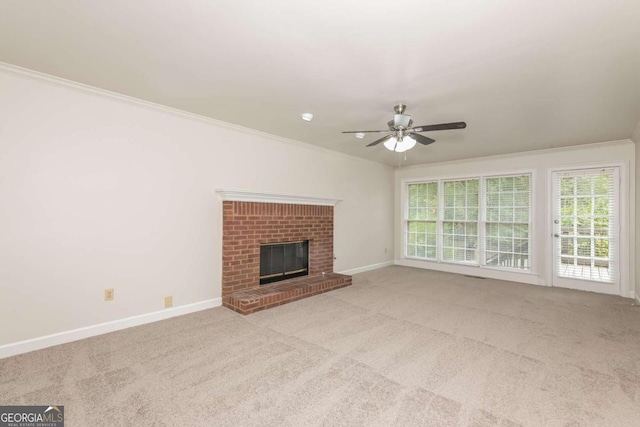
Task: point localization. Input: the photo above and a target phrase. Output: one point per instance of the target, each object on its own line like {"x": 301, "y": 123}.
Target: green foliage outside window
{"x": 422, "y": 220}
{"x": 585, "y": 205}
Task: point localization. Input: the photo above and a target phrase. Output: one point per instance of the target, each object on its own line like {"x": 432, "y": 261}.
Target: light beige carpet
{"x": 401, "y": 347}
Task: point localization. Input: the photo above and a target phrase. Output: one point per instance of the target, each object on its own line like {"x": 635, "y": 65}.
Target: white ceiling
{"x": 523, "y": 74}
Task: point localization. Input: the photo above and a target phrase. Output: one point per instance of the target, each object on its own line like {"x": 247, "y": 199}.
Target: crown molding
{"x": 266, "y": 197}
{"x": 568, "y": 148}
{"x": 26, "y": 73}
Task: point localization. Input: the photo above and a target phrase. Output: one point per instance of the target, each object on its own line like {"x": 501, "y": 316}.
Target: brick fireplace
{"x": 250, "y": 220}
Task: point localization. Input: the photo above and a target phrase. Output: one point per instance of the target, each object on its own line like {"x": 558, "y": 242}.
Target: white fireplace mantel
{"x": 266, "y": 197}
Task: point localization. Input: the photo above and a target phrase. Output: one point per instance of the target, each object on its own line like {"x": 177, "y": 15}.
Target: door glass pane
{"x": 585, "y": 214}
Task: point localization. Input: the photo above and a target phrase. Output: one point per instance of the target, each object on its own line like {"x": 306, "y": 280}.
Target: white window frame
{"x": 406, "y": 221}
{"x": 483, "y": 220}
{"x": 533, "y": 241}
{"x": 441, "y": 220}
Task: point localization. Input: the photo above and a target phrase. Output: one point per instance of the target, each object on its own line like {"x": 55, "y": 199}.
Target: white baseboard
{"x": 489, "y": 273}
{"x": 26, "y": 346}
{"x": 366, "y": 268}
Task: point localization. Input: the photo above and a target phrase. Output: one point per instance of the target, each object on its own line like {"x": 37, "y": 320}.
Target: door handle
{"x": 556, "y": 235}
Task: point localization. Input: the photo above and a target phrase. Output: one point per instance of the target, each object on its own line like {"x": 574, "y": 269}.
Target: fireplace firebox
{"x": 281, "y": 261}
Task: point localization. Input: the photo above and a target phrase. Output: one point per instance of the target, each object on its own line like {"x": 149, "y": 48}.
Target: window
{"x": 422, "y": 221}
{"x": 507, "y": 216}
{"x": 460, "y": 221}
{"x": 481, "y": 221}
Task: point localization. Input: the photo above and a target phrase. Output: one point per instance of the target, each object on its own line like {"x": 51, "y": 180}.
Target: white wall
{"x": 101, "y": 192}
{"x": 636, "y": 139}
{"x": 539, "y": 163}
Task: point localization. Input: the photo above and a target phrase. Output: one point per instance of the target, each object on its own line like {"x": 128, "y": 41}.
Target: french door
{"x": 586, "y": 224}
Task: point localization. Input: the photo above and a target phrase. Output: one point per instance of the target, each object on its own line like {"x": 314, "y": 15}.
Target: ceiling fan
{"x": 402, "y": 136}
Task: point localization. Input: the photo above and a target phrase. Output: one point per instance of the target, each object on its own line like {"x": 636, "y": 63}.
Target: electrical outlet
{"x": 109, "y": 294}
{"x": 168, "y": 302}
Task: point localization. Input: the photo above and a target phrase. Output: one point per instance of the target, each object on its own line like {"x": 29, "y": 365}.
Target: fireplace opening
{"x": 281, "y": 261}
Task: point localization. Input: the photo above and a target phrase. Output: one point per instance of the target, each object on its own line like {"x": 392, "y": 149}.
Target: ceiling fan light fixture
{"x": 360, "y": 135}
{"x": 406, "y": 143}
{"x": 400, "y": 145}
{"x": 307, "y": 117}
{"x": 390, "y": 144}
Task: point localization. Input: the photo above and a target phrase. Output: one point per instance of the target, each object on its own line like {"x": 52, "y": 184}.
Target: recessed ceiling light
{"x": 360, "y": 135}
{"x": 307, "y": 117}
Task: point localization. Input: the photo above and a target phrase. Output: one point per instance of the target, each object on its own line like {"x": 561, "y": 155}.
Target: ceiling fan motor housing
{"x": 399, "y": 109}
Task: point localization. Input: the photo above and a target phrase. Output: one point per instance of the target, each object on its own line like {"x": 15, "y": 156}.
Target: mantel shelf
{"x": 266, "y": 197}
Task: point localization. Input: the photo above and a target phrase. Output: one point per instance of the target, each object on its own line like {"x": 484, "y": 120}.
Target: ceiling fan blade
{"x": 378, "y": 141}
{"x": 364, "y": 131}
{"x": 424, "y": 140}
{"x": 442, "y": 126}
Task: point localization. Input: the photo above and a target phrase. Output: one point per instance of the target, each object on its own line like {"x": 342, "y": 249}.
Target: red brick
{"x": 247, "y": 224}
